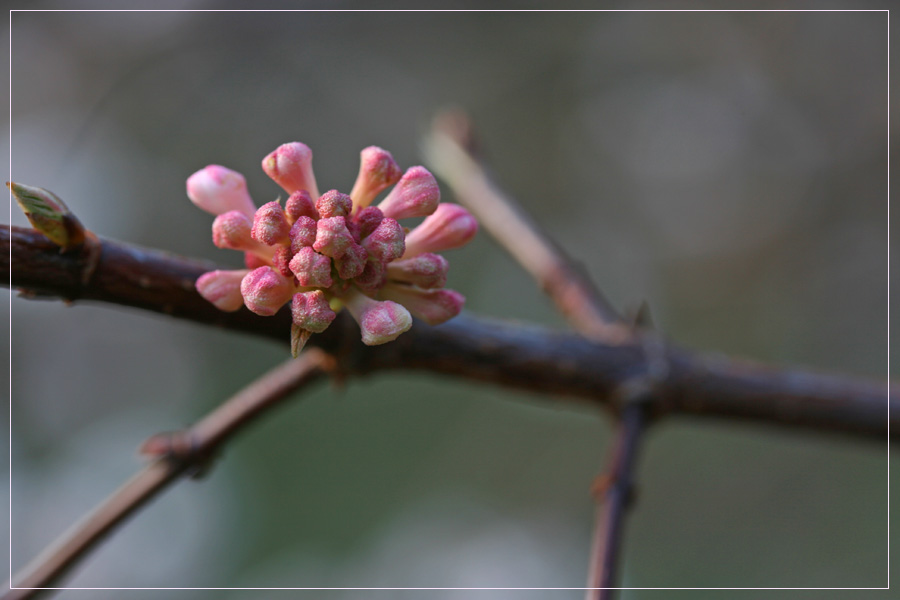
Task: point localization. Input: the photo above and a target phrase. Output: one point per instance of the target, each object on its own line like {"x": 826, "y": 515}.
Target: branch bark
{"x": 614, "y": 496}
{"x": 187, "y": 451}
{"x": 524, "y": 357}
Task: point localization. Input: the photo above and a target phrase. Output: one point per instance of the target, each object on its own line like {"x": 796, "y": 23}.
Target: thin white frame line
{"x": 452, "y": 588}
{"x": 11, "y": 11}
{"x": 889, "y": 291}
{"x": 10, "y": 303}
{"x": 456, "y": 10}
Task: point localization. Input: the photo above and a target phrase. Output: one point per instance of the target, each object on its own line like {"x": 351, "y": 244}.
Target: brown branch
{"x": 614, "y": 493}
{"x": 200, "y": 443}
{"x": 451, "y": 153}
{"x": 523, "y": 357}
{"x": 448, "y": 151}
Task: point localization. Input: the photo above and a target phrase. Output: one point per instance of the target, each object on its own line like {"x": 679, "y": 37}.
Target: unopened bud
{"x": 231, "y": 230}
{"x": 415, "y": 195}
{"x": 311, "y": 268}
{"x": 270, "y": 225}
{"x": 300, "y": 204}
{"x": 334, "y": 204}
{"x": 281, "y": 261}
{"x": 380, "y": 322}
{"x": 290, "y": 166}
{"x": 302, "y": 234}
{"x": 311, "y": 311}
{"x": 451, "y": 226}
{"x": 352, "y": 262}
{"x": 368, "y": 219}
{"x": 218, "y": 190}
{"x": 332, "y": 237}
{"x": 386, "y": 243}
{"x": 432, "y": 306}
{"x": 427, "y": 271}
{"x": 377, "y": 170}
{"x": 265, "y": 291}
{"x": 48, "y": 214}
{"x": 222, "y": 288}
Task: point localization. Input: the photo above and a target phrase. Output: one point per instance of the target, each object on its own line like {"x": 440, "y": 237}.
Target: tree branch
{"x": 614, "y": 492}
{"x": 524, "y": 357}
{"x": 449, "y": 147}
{"x": 449, "y": 152}
{"x": 179, "y": 454}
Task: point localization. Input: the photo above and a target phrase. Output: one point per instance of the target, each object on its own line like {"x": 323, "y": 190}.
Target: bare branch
{"x": 447, "y": 150}
{"x": 614, "y": 493}
{"x": 202, "y": 441}
{"x": 523, "y": 357}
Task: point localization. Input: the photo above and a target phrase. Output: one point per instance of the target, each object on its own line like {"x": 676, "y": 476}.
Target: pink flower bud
{"x": 281, "y": 261}
{"x": 368, "y": 219}
{"x": 352, "y": 262}
{"x": 218, "y": 190}
{"x": 334, "y": 204}
{"x": 332, "y": 237}
{"x": 451, "y": 226}
{"x": 270, "y": 225}
{"x": 380, "y": 322}
{"x": 300, "y": 204}
{"x": 311, "y": 311}
{"x": 432, "y": 306}
{"x": 415, "y": 195}
{"x": 387, "y": 241}
{"x": 372, "y": 277}
{"x": 290, "y": 166}
{"x": 265, "y": 291}
{"x": 222, "y": 288}
{"x": 377, "y": 170}
{"x": 311, "y": 268}
{"x": 254, "y": 261}
{"x": 426, "y": 271}
{"x": 302, "y": 234}
{"x": 231, "y": 230}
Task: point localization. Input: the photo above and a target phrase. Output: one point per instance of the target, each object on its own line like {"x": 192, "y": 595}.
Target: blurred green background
{"x": 729, "y": 168}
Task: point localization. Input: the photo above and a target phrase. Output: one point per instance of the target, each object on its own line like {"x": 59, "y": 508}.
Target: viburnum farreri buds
{"x": 324, "y": 253}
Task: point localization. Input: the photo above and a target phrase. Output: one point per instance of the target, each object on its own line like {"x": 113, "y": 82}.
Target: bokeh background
{"x": 729, "y": 168}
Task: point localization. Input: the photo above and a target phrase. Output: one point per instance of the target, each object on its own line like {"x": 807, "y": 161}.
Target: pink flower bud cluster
{"x": 321, "y": 253}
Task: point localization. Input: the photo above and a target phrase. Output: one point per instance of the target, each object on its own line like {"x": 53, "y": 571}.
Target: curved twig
{"x": 203, "y": 439}
{"x": 448, "y": 152}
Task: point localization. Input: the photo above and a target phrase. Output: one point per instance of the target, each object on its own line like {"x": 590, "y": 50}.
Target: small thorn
{"x": 642, "y": 319}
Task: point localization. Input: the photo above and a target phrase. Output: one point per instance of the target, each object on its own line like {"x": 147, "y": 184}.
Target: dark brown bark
{"x": 525, "y": 357}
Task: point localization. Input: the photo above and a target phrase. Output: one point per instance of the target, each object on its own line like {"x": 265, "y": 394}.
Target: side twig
{"x": 614, "y": 493}
{"x": 448, "y": 152}
{"x": 178, "y": 454}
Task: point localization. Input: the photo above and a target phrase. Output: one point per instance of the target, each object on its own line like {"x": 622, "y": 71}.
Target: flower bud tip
{"x": 218, "y": 190}
{"x": 290, "y": 166}
{"x": 416, "y": 195}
